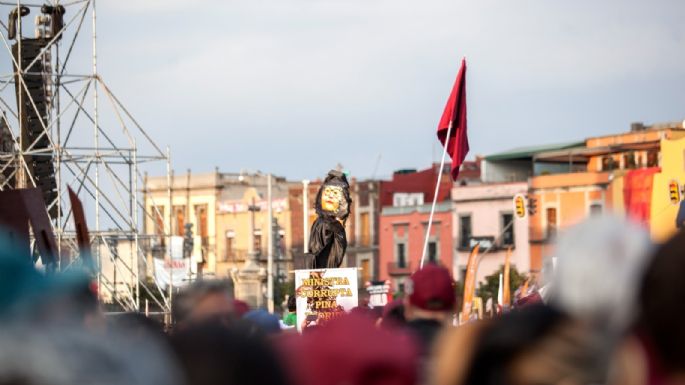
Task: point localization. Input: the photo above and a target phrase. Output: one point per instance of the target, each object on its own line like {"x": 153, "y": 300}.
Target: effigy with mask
{"x": 328, "y": 241}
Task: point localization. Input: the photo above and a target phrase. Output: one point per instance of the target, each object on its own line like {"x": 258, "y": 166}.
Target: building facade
{"x": 228, "y": 214}
{"x": 363, "y": 250}
{"x": 484, "y": 214}
{"x": 189, "y": 198}
{"x": 406, "y": 204}
{"x": 627, "y": 174}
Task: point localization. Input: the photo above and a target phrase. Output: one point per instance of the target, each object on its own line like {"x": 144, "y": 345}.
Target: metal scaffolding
{"x": 97, "y": 148}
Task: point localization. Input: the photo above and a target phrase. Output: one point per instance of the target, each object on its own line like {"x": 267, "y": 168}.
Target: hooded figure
{"x": 327, "y": 242}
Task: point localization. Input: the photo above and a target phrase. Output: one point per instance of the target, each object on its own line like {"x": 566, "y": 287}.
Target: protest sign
{"x": 324, "y": 294}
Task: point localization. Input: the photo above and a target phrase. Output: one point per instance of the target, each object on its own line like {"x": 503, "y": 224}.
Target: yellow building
{"x": 243, "y": 209}
{"x": 217, "y": 205}
{"x": 662, "y": 224}
{"x": 193, "y": 198}
{"x": 626, "y": 173}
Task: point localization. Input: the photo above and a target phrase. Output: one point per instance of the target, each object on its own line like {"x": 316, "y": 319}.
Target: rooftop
{"x": 525, "y": 153}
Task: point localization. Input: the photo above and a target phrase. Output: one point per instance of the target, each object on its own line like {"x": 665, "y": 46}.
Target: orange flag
{"x": 506, "y": 293}
{"x": 470, "y": 282}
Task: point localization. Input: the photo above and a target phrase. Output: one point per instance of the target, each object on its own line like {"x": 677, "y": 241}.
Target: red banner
{"x": 637, "y": 193}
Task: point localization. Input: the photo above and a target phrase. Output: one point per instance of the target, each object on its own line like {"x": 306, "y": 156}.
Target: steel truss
{"x": 102, "y": 164}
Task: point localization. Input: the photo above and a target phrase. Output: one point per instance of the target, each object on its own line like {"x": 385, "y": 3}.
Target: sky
{"x": 295, "y": 87}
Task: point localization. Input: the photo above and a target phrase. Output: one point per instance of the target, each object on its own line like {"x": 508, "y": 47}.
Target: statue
{"x": 327, "y": 241}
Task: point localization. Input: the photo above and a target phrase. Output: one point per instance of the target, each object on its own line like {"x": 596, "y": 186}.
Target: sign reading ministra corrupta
{"x": 324, "y": 294}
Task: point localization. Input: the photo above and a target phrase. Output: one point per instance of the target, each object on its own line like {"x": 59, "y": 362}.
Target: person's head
{"x": 351, "y": 350}
{"x": 212, "y": 353}
{"x": 61, "y": 355}
{"x": 263, "y": 321}
{"x": 240, "y": 307}
{"x": 430, "y": 294}
{"x": 661, "y": 294}
{"x": 204, "y": 300}
{"x": 393, "y": 314}
{"x": 292, "y": 304}
{"x": 595, "y": 273}
{"x": 533, "y": 345}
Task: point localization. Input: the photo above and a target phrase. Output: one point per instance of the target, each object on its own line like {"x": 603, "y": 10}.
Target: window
{"x": 365, "y": 229}
{"x": 230, "y": 238}
{"x": 629, "y": 161}
{"x": 401, "y": 257}
{"x": 608, "y": 163}
{"x": 652, "y": 158}
{"x": 366, "y": 271}
{"x": 507, "y": 222}
{"x": 258, "y": 242}
{"x": 595, "y": 209}
{"x": 551, "y": 222}
{"x": 465, "y": 231}
{"x": 202, "y": 231}
{"x": 158, "y": 214}
{"x": 179, "y": 220}
{"x": 432, "y": 252}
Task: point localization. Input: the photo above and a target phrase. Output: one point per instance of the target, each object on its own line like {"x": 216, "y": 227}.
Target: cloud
{"x": 296, "y": 70}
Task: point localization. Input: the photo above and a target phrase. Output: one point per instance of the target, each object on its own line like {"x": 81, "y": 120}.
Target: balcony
{"x": 486, "y": 243}
{"x": 394, "y": 269}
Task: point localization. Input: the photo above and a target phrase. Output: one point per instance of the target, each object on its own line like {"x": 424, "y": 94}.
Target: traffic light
{"x": 532, "y": 206}
{"x": 674, "y": 192}
{"x": 188, "y": 241}
{"x": 519, "y": 206}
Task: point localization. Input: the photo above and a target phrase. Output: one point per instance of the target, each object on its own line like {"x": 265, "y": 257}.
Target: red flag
{"x": 455, "y": 114}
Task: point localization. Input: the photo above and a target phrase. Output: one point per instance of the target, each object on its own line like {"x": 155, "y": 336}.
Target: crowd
{"x": 608, "y": 312}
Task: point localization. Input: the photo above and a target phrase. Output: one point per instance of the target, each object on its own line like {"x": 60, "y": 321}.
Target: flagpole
{"x": 435, "y": 195}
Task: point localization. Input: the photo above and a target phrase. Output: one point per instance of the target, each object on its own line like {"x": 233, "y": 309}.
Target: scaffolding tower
{"x": 57, "y": 131}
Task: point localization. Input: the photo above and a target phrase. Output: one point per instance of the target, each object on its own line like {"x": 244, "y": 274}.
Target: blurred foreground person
{"x": 261, "y": 321}
{"x": 655, "y": 352}
{"x": 290, "y": 318}
{"x": 351, "y": 350}
{"x": 533, "y": 345}
{"x": 70, "y": 355}
{"x": 393, "y": 315}
{"x": 429, "y": 305}
{"x": 596, "y": 273}
{"x": 240, "y": 307}
{"x": 30, "y": 296}
{"x": 204, "y": 300}
{"x": 595, "y": 280}
{"x": 212, "y": 353}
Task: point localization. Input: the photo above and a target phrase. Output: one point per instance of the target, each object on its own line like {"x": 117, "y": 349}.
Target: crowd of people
{"x": 610, "y": 313}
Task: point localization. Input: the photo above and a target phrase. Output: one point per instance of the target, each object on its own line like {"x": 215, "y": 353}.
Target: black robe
{"x": 327, "y": 243}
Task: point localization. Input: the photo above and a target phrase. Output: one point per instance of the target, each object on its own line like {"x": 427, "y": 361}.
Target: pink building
{"x": 481, "y": 214}
{"x": 402, "y": 232}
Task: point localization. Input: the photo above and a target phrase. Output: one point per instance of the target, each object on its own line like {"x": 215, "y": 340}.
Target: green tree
{"x": 281, "y": 289}
{"x": 490, "y": 287}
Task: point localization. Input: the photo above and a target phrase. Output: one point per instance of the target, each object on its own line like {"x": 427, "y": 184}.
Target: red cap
{"x": 240, "y": 307}
{"x": 431, "y": 288}
{"x": 351, "y": 350}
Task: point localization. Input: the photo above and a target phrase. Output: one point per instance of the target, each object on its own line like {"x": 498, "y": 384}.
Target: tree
{"x": 490, "y": 287}
{"x": 281, "y": 289}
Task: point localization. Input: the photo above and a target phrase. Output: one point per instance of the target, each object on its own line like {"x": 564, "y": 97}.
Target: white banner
{"x": 324, "y": 294}
{"x": 379, "y": 293}
{"x": 175, "y": 248}
{"x": 176, "y": 270}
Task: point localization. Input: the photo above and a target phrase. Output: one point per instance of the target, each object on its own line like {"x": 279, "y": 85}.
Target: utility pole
{"x": 270, "y": 245}
{"x": 305, "y": 211}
